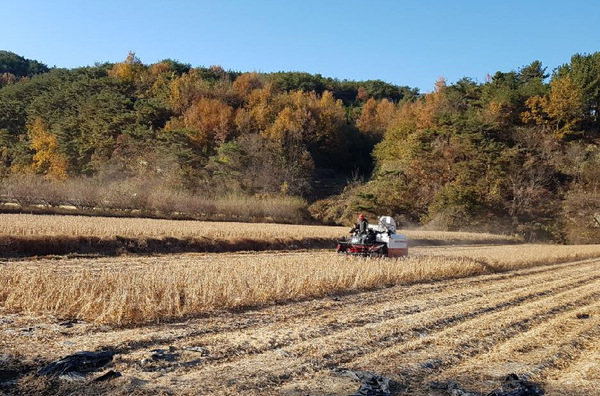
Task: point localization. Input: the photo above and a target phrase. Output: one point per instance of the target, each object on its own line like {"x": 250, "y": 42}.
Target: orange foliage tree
{"x": 560, "y": 111}
{"x": 208, "y": 121}
{"x": 306, "y": 117}
{"x": 376, "y": 117}
{"x": 187, "y": 89}
{"x": 246, "y": 83}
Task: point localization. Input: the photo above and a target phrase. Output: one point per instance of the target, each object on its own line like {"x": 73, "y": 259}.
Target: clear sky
{"x": 402, "y": 42}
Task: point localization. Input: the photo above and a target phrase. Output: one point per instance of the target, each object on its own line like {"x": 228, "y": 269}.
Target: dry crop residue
{"x": 542, "y": 323}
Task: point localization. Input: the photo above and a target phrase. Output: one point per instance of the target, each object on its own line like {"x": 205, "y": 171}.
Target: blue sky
{"x": 402, "y": 42}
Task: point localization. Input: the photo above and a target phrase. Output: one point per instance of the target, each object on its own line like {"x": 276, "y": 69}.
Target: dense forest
{"x": 517, "y": 153}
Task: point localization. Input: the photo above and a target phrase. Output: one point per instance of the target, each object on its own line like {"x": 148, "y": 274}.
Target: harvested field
{"x": 142, "y": 289}
{"x": 36, "y": 235}
{"x": 539, "y": 317}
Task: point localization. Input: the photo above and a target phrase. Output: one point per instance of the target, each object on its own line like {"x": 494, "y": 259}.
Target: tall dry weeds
{"x": 137, "y": 197}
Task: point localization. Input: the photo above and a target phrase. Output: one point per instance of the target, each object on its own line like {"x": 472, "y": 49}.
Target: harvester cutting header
{"x": 370, "y": 240}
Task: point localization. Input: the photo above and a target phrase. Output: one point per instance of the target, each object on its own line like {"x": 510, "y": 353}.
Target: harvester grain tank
{"x": 381, "y": 240}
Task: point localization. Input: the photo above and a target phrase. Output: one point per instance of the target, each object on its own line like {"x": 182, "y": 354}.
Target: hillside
{"x": 517, "y": 153}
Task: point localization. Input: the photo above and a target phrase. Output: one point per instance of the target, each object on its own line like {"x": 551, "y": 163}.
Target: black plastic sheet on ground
{"x": 511, "y": 386}
{"x": 371, "y": 384}
{"x": 80, "y": 362}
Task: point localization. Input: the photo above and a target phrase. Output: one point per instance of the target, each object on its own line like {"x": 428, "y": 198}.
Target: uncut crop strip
{"x": 311, "y": 316}
{"x": 308, "y": 317}
{"x": 23, "y": 235}
{"x": 36, "y": 225}
{"x": 32, "y": 225}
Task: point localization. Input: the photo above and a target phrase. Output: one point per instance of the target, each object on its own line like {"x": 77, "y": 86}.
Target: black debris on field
{"x": 12, "y": 369}
{"x": 73, "y": 376}
{"x": 201, "y": 350}
{"x": 452, "y": 388}
{"x": 162, "y": 354}
{"x": 111, "y": 374}
{"x": 515, "y": 386}
{"x": 431, "y": 364}
{"x": 371, "y": 384}
{"x": 80, "y": 362}
{"x": 511, "y": 386}
{"x": 70, "y": 323}
{"x": 8, "y": 377}
{"x": 583, "y": 316}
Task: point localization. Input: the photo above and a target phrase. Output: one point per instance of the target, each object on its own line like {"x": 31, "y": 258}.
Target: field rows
{"x": 541, "y": 322}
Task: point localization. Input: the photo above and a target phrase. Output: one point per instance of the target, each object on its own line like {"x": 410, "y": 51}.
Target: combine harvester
{"x": 379, "y": 241}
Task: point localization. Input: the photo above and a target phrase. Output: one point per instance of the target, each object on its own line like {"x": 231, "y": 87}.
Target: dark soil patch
{"x": 31, "y": 246}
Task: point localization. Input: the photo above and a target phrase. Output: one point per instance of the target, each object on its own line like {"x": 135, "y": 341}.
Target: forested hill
{"x": 516, "y": 153}
{"x": 208, "y": 127}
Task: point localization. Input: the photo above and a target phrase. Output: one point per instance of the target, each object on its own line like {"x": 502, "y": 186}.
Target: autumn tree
{"x": 246, "y": 83}
{"x": 362, "y": 94}
{"x": 208, "y": 121}
{"x": 128, "y": 70}
{"x": 7, "y": 78}
{"x": 561, "y": 111}
{"x": 315, "y": 121}
{"x": 47, "y": 158}
{"x": 376, "y": 117}
{"x": 261, "y": 110}
{"x": 584, "y": 73}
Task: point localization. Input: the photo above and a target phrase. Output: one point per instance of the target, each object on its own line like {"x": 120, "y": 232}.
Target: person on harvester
{"x": 362, "y": 227}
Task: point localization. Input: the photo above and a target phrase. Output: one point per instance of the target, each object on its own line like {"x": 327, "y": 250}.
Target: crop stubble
{"x": 541, "y": 322}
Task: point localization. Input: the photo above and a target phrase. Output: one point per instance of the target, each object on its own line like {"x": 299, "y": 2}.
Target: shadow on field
{"x": 29, "y": 246}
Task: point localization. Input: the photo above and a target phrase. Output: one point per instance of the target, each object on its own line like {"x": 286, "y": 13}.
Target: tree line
{"x": 516, "y": 153}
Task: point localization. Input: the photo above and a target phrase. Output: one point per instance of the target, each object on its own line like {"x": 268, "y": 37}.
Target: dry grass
{"x": 137, "y": 197}
{"x": 137, "y": 290}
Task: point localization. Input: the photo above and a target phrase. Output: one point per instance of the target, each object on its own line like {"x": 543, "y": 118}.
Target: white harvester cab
{"x": 397, "y": 244}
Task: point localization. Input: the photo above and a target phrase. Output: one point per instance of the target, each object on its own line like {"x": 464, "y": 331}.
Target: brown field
{"x": 281, "y": 322}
